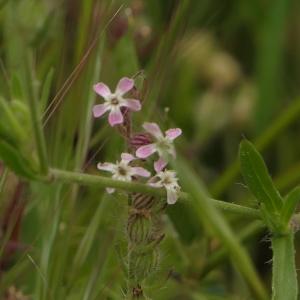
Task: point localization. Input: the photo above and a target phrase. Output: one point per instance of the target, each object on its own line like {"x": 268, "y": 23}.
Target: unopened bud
{"x": 140, "y": 139}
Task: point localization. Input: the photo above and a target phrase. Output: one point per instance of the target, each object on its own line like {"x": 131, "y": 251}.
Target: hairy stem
{"x": 284, "y": 282}
{"x": 101, "y": 181}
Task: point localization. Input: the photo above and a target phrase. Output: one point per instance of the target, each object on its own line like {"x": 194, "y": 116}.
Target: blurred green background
{"x": 220, "y": 70}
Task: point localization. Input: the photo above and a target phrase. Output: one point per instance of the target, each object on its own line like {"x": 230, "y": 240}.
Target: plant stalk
{"x": 284, "y": 282}
{"x": 103, "y": 182}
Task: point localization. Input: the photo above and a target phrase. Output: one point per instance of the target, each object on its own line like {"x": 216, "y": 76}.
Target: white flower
{"x": 115, "y": 101}
{"x": 122, "y": 170}
{"x": 169, "y": 181}
{"x": 163, "y": 145}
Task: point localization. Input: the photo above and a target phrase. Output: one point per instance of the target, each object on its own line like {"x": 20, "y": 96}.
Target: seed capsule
{"x": 139, "y": 229}
{"x": 144, "y": 265}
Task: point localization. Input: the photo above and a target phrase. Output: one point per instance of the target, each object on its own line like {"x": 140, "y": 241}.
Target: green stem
{"x": 103, "y": 182}
{"x": 290, "y": 115}
{"x": 284, "y": 283}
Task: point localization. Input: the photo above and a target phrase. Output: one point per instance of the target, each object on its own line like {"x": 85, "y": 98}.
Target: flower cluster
{"x": 153, "y": 141}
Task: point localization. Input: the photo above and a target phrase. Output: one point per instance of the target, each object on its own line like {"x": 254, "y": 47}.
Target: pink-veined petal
{"x": 172, "y": 195}
{"x": 106, "y": 167}
{"x": 99, "y": 110}
{"x": 102, "y": 89}
{"x": 141, "y": 172}
{"x": 145, "y": 151}
{"x": 159, "y": 165}
{"x": 110, "y": 190}
{"x": 115, "y": 117}
{"x": 133, "y": 104}
{"x": 125, "y": 84}
{"x": 173, "y": 133}
{"x": 127, "y": 157}
{"x": 153, "y": 129}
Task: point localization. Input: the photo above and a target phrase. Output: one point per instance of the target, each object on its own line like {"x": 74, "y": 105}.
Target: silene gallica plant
{"x": 148, "y": 172}
{"x": 96, "y": 200}
{"x": 144, "y": 224}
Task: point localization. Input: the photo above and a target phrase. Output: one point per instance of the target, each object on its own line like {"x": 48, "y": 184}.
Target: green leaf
{"x": 45, "y": 91}
{"x": 290, "y": 203}
{"x": 10, "y": 128}
{"x": 257, "y": 178}
{"x": 15, "y": 161}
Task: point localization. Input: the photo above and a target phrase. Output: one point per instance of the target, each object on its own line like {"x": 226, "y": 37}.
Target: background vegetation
{"x": 220, "y": 70}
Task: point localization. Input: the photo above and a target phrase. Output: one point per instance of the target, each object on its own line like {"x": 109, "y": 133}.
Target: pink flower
{"x": 163, "y": 145}
{"x": 122, "y": 170}
{"x": 169, "y": 181}
{"x": 113, "y": 102}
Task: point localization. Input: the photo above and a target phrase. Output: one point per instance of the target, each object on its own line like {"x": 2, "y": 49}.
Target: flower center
{"x": 122, "y": 171}
{"x": 114, "y": 101}
{"x": 163, "y": 145}
{"x": 167, "y": 180}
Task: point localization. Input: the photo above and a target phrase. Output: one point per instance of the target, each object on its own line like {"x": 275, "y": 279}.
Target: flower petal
{"x": 141, "y": 172}
{"x": 106, "y": 167}
{"x": 133, "y": 104}
{"x": 125, "y": 84}
{"x": 99, "y": 110}
{"x": 127, "y": 157}
{"x": 115, "y": 117}
{"x": 172, "y": 195}
{"x": 145, "y": 151}
{"x": 153, "y": 129}
{"x": 159, "y": 165}
{"x": 102, "y": 89}
{"x": 173, "y": 133}
{"x": 110, "y": 190}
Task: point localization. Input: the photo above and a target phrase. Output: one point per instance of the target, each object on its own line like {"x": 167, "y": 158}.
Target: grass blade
{"x": 214, "y": 220}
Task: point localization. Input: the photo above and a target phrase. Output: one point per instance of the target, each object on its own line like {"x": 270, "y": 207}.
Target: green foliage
{"x": 277, "y": 215}
{"x": 260, "y": 184}
{"x": 15, "y": 161}
{"x": 218, "y": 70}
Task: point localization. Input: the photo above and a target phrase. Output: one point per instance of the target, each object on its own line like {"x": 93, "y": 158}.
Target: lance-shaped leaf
{"x": 15, "y": 161}
{"x": 290, "y": 203}
{"x": 257, "y": 178}
{"x": 10, "y": 129}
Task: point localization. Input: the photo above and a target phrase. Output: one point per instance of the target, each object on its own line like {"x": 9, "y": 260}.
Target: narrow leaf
{"x": 258, "y": 180}
{"x": 10, "y": 128}
{"x": 15, "y": 161}
{"x": 290, "y": 203}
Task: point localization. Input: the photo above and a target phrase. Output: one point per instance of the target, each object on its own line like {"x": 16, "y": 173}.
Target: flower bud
{"x": 140, "y": 139}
